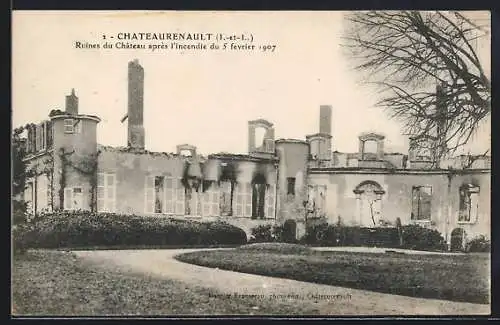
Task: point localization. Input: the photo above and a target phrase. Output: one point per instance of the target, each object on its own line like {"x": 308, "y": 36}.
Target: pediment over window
{"x": 370, "y": 186}
{"x": 471, "y": 188}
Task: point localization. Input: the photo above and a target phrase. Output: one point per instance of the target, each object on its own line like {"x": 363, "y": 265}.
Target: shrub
{"x": 310, "y": 237}
{"x": 86, "y": 229}
{"x": 478, "y": 244}
{"x": 379, "y": 237}
{"x": 18, "y": 238}
{"x": 350, "y": 236}
{"x": 278, "y": 233}
{"x": 329, "y": 236}
{"x": 413, "y": 236}
{"x": 262, "y": 234}
{"x": 267, "y": 233}
{"x": 399, "y": 227}
{"x": 457, "y": 237}
{"x": 321, "y": 234}
{"x": 340, "y": 235}
{"x": 19, "y": 213}
{"x": 285, "y": 233}
{"x": 421, "y": 238}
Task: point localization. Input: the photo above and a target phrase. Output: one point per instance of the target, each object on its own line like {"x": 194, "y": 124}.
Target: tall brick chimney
{"x": 135, "y": 105}
{"x": 441, "y": 121}
{"x": 325, "y": 119}
{"x": 72, "y": 103}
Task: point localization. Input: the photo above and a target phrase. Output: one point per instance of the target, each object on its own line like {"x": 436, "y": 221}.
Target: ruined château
{"x": 277, "y": 180}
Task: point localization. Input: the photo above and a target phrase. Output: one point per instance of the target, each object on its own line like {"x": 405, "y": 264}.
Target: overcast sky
{"x": 204, "y": 98}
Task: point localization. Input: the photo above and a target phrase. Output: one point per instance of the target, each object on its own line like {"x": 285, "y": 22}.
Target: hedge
{"x": 273, "y": 233}
{"x": 339, "y": 235}
{"x": 421, "y": 238}
{"x": 262, "y": 234}
{"x": 86, "y": 229}
{"x": 478, "y": 244}
{"x": 413, "y": 236}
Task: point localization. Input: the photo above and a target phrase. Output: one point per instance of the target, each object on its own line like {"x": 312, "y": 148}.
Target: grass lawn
{"x": 57, "y": 283}
{"x": 462, "y": 278}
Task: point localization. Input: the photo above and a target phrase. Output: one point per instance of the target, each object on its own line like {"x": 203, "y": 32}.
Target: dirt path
{"x": 328, "y": 300}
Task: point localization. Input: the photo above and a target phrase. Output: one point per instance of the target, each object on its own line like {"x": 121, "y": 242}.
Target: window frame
{"x": 172, "y": 197}
{"x": 269, "y": 145}
{"x": 69, "y": 126}
{"x": 179, "y": 197}
{"x": 77, "y": 126}
{"x": 70, "y": 205}
{"x": 196, "y": 205}
{"x": 243, "y": 200}
{"x": 290, "y": 185}
{"x": 159, "y": 195}
{"x": 38, "y": 137}
{"x": 105, "y": 190}
{"x": 321, "y": 192}
{"x": 169, "y": 198}
{"x": 29, "y": 195}
{"x": 42, "y": 193}
{"x": 415, "y": 218}
{"x": 210, "y": 199}
{"x": 372, "y": 146}
{"x": 468, "y": 191}
{"x": 270, "y": 202}
{"x": 49, "y": 134}
{"x": 43, "y": 141}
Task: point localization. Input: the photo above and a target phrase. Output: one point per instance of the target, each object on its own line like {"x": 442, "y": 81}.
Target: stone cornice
{"x": 358, "y": 170}
{"x": 79, "y": 116}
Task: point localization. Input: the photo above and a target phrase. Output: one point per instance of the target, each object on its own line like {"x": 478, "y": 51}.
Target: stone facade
{"x": 276, "y": 181}
{"x": 347, "y": 198}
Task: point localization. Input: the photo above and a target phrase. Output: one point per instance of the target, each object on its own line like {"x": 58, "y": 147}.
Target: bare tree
{"x": 371, "y": 202}
{"x": 428, "y": 70}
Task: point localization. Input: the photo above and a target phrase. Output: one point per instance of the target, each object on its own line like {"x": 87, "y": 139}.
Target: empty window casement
{"x": 42, "y": 193}
{"x": 421, "y": 203}
{"x": 73, "y": 198}
{"x": 290, "y": 186}
{"x": 269, "y": 145}
{"x": 164, "y": 195}
{"x": 469, "y": 203}
{"x": 41, "y": 137}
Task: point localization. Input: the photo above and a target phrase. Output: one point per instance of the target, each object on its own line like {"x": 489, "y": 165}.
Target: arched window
{"x": 370, "y": 146}
{"x": 260, "y": 132}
